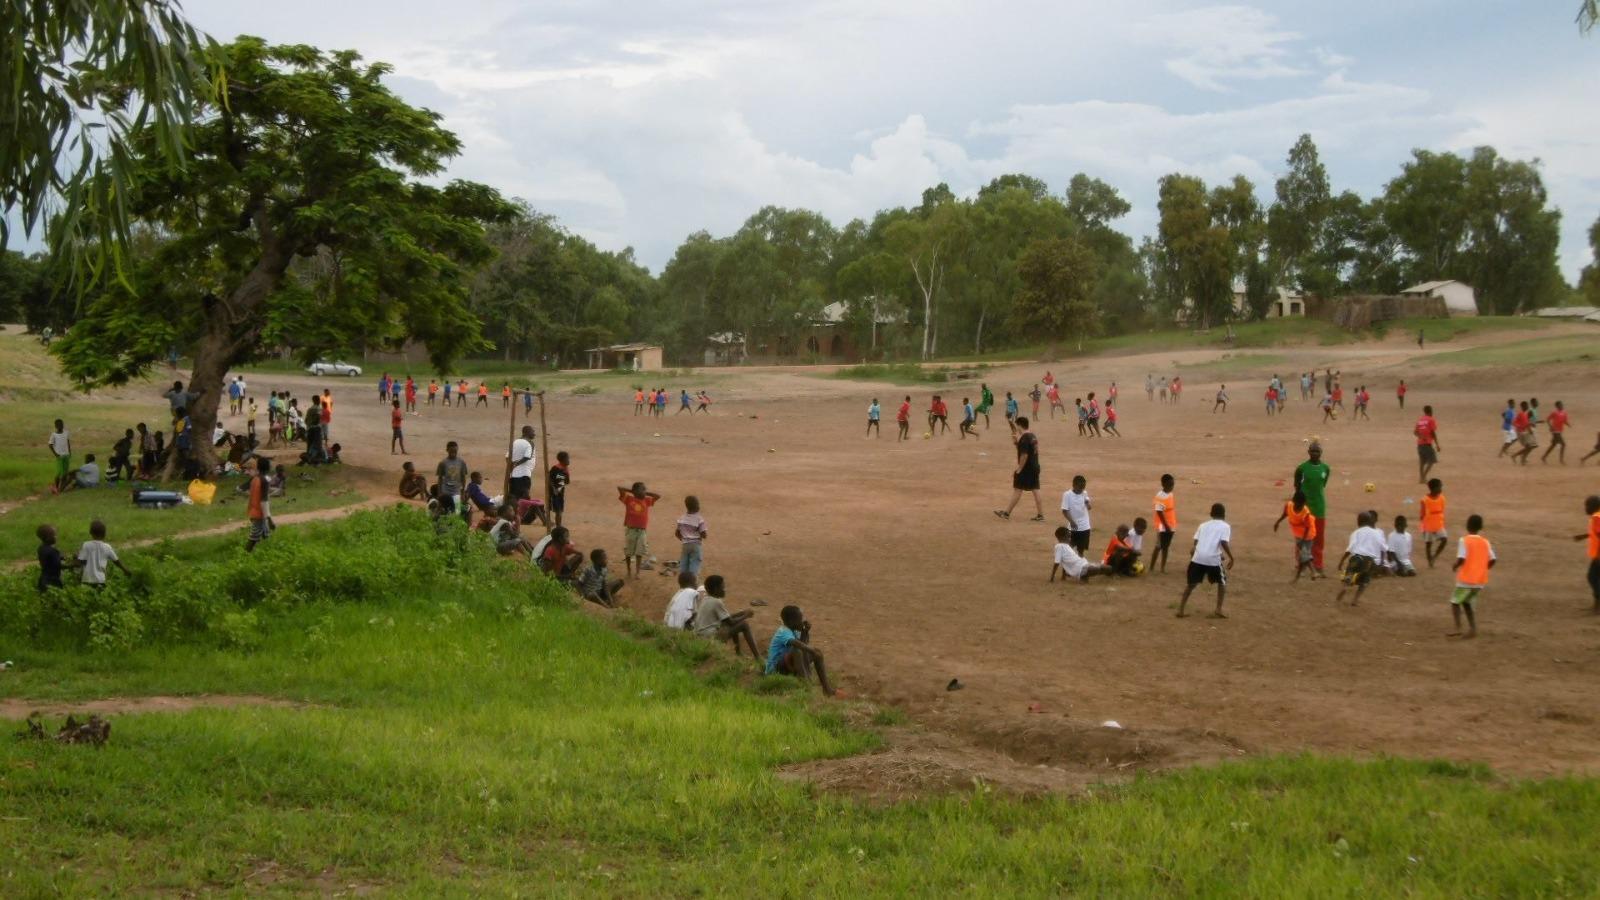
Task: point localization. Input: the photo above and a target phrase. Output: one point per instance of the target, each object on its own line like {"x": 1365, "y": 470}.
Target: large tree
{"x": 1056, "y": 281}
{"x": 1199, "y": 253}
{"x": 83, "y": 78}
{"x": 1589, "y": 281}
{"x": 306, "y": 155}
{"x": 1296, "y": 217}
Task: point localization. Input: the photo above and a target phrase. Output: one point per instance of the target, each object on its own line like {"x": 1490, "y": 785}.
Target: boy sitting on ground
{"x": 88, "y": 474}
{"x": 791, "y": 653}
{"x": 506, "y": 536}
{"x": 1070, "y": 563}
{"x": 596, "y": 584}
{"x": 412, "y": 485}
{"x": 1120, "y": 556}
{"x": 712, "y": 619}
{"x": 560, "y": 559}
{"x": 680, "y": 609}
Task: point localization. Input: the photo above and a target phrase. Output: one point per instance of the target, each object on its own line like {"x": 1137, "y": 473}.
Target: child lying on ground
{"x": 1070, "y": 564}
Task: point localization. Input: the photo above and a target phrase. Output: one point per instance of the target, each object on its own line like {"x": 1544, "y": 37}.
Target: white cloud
{"x": 1218, "y": 44}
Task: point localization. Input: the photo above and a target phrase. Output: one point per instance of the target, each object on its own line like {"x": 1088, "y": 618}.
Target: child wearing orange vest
{"x": 1303, "y": 525}
{"x": 1434, "y": 536}
{"x": 638, "y": 401}
{"x": 1120, "y": 557}
{"x": 1166, "y": 510}
{"x": 1474, "y": 558}
{"x": 1591, "y": 506}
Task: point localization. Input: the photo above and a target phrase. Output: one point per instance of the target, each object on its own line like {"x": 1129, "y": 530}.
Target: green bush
{"x": 363, "y": 558}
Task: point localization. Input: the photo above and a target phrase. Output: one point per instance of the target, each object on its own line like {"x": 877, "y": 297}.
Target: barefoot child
{"x": 1211, "y": 545}
{"x": 1303, "y": 525}
{"x": 1362, "y": 556}
{"x": 1111, "y": 419}
{"x": 902, "y": 418}
{"x": 412, "y": 485}
{"x": 874, "y": 413}
{"x": 712, "y": 619}
{"x": 791, "y": 653}
{"x": 1474, "y": 558}
{"x": 1069, "y": 563}
{"x": 50, "y": 559}
{"x": 596, "y": 584}
{"x": 969, "y": 418}
{"x": 636, "y": 503}
{"x": 1434, "y": 536}
{"x": 1166, "y": 512}
{"x": 1120, "y": 557}
{"x": 94, "y": 555}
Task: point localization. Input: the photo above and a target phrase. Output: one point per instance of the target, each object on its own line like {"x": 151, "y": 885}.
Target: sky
{"x": 637, "y": 124}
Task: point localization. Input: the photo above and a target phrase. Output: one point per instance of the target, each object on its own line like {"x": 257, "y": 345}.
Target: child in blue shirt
{"x": 969, "y": 418}
{"x": 791, "y": 653}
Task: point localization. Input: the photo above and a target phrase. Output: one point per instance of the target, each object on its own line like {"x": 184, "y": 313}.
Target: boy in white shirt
{"x": 1211, "y": 546}
{"x": 1075, "y": 506}
{"x": 1399, "y": 550}
{"x": 1362, "y": 556}
{"x": 681, "y": 608}
{"x": 1135, "y": 537}
{"x": 1070, "y": 563}
{"x": 95, "y": 556}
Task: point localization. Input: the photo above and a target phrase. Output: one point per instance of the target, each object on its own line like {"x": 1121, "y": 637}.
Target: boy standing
{"x": 397, "y": 435}
{"x": 1474, "y": 558}
{"x": 1303, "y": 525}
{"x": 969, "y": 418}
{"x": 1222, "y": 400}
{"x": 256, "y": 511}
{"x": 1206, "y": 559}
{"x": 95, "y": 554}
{"x": 450, "y": 476}
{"x": 691, "y": 531}
{"x": 636, "y": 503}
{"x": 1034, "y": 395}
{"x": 791, "y": 653}
{"x": 1011, "y": 408}
{"x": 560, "y": 477}
{"x": 874, "y": 413}
{"x": 1361, "y": 557}
{"x": 1069, "y": 563}
{"x": 1558, "y": 423}
{"x": 1434, "y": 536}
{"x": 903, "y": 419}
{"x": 60, "y": 444}
{"x": 1166, "y": 512}
{"x": 1428, "y": 447}
{"x": 1075, "y": 506}
{"x": 1591, "y": 507}
{"x": 50, "y": 559}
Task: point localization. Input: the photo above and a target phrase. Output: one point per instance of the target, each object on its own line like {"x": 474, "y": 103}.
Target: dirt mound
{"x": 13, "y": 708}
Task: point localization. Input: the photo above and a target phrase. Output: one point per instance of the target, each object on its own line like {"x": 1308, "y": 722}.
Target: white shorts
{"x": 1435, "y": 536}
{"x": 1511, "y": 435}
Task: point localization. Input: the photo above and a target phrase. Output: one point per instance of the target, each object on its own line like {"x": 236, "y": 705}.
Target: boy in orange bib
{"x": 1474, "y": 558}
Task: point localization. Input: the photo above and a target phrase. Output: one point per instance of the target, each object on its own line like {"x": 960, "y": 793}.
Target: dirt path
{"x": 15, "y": 708}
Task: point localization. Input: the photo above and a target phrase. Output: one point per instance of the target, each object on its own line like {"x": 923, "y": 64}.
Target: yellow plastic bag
{"x": 201, "y": 492}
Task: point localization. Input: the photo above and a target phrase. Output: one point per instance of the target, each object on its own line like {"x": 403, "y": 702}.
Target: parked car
{"x": 323, "y": 367}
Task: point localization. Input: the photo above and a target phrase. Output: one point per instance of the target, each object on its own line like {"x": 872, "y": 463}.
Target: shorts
{"x": 1213, "y": 574}
{"x": 1556, "y": 440}
{"x": 63, "y": 463}
{"x": 1427, "y": 454}
{"x": 634, "y": 543}
{"x": 258, "y": 530}
{"x": 1080, "y": 541}
{"x": 1464, "y": 595}
{"x": 520, "y": 486}
{"x": 1358, "y": 571}
{"x": 1303, "y": 550}
{"x": 689, "y": 557}
{"x": 1511, "y": 436}
{"x": 397, "y": 433}
{"x": 1528, "y": 439}
{"x": 1164, "y": 539}
{"x": 1026, "y": 480}
{"x": 1440, "y": 535}
{"x": 558, "y": 501}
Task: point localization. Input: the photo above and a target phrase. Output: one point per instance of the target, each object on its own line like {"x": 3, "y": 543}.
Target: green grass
{"x": 71, "y": 512}
{"x": 1536, "y": 351}
{"x": 907, "y": 373}
{"x": 493, "y": 741}
{"x": 1443, "y": 330}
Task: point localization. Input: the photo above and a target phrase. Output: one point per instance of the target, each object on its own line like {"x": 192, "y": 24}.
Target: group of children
{"x": 1519, "y": 424}
{"x": 391, "y": 390}
{"x": 938, "y": 413}
{"x": 653, "y": 402}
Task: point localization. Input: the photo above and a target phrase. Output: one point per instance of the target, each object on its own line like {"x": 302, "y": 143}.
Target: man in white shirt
{"x": 1399, "y": 549}
{"x": 522, "y": 464}
{"x": 1070, "y": 564}
{"x": 1362, "y": 556}
{"x": 681, "y": 608}
{"x": 1075, "y": 506}
{"x": 1206, "y": 559}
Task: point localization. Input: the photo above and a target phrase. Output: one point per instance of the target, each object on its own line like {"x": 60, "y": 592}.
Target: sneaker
{"x": 1002, "y": 514}
{"x": 1037, "y": 519}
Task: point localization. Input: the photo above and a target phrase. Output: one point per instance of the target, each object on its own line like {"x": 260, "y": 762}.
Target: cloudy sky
{"x": 639, "y": 123}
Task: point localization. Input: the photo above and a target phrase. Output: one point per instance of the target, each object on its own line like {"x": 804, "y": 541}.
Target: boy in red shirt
{"x": 636, "y": 503}
{"x": 1558, "y": 423}
{"x": 938, "y": 413}
{"x": 1522, "y": 427}
{"x": 396, "y": 419}
{"x": 1591, "y": 506}
{"x": 903, "y": 417}
{"x": 1400, "y": 393}
{"x": 1427, "y": 432}
{"x": 411, "y": 395}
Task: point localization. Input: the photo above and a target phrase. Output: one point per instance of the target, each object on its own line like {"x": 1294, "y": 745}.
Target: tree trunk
{"x": 231, "y": 328}
{"x": 977, "y": 343}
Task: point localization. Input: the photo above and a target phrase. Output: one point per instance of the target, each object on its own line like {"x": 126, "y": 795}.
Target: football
{"x": 1371, "y": 487}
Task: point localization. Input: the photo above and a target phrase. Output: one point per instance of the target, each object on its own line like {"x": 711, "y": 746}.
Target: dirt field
{"x": 894, "y": 554}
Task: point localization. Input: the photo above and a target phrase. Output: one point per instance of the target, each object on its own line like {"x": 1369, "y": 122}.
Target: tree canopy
{"x": 300, "y": 216}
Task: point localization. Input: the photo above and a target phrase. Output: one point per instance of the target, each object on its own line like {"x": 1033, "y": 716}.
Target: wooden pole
{"x": 544, "y": 455}
{"x": 505, "y": 487}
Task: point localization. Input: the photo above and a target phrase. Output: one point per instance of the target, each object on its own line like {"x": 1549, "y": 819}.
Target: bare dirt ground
{"x": 893, "y": 553}
{"x": 19, "y": 709}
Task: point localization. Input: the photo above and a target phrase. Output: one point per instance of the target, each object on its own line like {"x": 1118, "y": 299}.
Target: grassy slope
{"x": 498, "y": 741}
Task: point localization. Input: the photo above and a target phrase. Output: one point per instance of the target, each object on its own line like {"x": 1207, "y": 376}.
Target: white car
{"x": 323, "y": 367}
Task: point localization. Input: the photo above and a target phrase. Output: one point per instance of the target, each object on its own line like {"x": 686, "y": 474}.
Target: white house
{"x": 1286, "y": 304}
{"x": 1459, "y": 299}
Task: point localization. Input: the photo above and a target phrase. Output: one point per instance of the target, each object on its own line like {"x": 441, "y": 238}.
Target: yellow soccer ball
{"x": 1370, "y": 487}
{"x": 1138, "y": 568}
{"x": 926, "y": 435}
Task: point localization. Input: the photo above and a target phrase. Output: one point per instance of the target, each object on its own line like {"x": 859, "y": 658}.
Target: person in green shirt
{"x": 1312, "y": 477}
{"x": 986, "y": 404}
